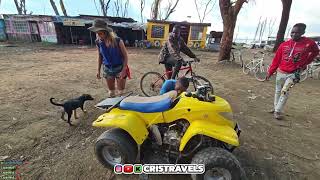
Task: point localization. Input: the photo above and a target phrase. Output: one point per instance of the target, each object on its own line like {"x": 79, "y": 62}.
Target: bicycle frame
{"x": 188, "y": 68}
{"x": 164, "y": 76}
{"x": 256, "y": 62}
{"x": 311, "y": 68}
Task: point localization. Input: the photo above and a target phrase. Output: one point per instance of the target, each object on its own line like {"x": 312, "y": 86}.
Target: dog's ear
{"x": 88, "y": 96}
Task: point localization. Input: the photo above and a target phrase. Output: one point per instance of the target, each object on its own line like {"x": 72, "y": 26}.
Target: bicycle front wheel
{"x": 247, "y": 67}
{"x": 198, "y": 81}
{"x": 261, "y": 73}
{"x": 151, "y": 83}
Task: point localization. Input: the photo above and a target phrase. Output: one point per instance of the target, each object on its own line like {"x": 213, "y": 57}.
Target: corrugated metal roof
{"x": 177, "y": 22}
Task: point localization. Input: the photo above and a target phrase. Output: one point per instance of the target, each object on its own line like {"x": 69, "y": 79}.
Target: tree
{"x": 142, "y": 4}
{"x": 64, "y": 11}
{"x": 121, "y": 8}
{"x": 105, "y": 6}
{"x": 21, "y": 6}
{"x": 286, "y": 6}
{"x": 124, "y": 8}
{"x": 208, "y": 7}
{"x": 229, "y": 12}
{"x": 170, "y": 9}
{"x": 53, "y": 4}
{"x": 117, "y": 7}
{"x": 155, "y": 9}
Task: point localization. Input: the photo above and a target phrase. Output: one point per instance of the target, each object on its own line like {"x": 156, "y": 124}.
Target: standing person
{"x": 170, "y": 52}
{"x": 113, "y": 57}
{"x": 291, "y": 58}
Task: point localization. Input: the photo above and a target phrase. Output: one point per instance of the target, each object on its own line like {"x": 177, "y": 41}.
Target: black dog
{"x": 72, "y": 105}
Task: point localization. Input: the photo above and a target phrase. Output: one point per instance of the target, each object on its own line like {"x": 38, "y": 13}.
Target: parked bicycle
{"x": 312, "y": 68}
{"x": 151, "y": 82}
{"x": 257, "y": 67}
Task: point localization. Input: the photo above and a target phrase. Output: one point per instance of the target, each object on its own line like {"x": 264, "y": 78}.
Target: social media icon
{"x": 137, "y": 168}
{"x": 128, "y": 169}
{"x": 118, "y": 169}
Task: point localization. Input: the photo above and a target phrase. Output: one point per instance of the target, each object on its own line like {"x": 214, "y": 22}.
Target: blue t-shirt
{"x": 167, "y": 86}
{"x": 111, "y": 56}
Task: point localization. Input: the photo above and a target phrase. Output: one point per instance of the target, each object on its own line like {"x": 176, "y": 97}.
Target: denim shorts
{"x": 112, "y": 72}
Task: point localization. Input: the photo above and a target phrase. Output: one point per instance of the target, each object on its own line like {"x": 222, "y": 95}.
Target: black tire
{"x": 121, "y": 141}
{"x": 218, "y": 159}
{"x": 246, "y": 67}
{"x": 261, "y": 73}
{"x": 151, "y": 87}
{"x": 198, "y": 81}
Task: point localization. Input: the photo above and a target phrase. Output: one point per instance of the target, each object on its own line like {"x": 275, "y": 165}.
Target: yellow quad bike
{"x": 193, "y": 128}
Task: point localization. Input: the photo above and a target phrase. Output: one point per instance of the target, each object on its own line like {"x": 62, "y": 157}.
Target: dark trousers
{"x": 169, "y": 64}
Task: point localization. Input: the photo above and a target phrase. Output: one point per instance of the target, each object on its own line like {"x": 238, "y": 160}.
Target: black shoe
{"x": 277, "y": 116}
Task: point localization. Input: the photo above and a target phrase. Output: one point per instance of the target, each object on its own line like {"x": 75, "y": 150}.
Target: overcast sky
{"x": 246, "y": 25}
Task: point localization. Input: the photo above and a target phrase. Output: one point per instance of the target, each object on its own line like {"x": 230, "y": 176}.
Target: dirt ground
{"x": 31, "y": 128}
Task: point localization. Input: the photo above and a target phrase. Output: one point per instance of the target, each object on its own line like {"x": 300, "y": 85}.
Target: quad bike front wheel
{"x": 219, "y": 164}
{"x": 116, "y": 146}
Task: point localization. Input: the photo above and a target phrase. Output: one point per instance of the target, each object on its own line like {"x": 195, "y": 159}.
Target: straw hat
{"x": 100, "y": 25}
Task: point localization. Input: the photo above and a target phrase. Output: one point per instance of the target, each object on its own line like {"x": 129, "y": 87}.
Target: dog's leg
{"x": 62, "y": 115}
{"x": 75, "y": 114}
{"x": 84, "y": 111}
{"x": 69, "y": 118}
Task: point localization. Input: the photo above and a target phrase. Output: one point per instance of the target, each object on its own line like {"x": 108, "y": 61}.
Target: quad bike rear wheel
{"x": 219, "y": 164}
{"x": 116, "y": 146}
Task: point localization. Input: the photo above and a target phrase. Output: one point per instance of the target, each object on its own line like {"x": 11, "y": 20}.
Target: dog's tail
{"x": 51, "y": 100}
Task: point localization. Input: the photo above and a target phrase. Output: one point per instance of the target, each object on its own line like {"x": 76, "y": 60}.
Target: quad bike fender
{"x": 128, "y": 121}
{"x": 220, "y": 132}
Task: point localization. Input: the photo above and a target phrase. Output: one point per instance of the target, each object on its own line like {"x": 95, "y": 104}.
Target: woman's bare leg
{"x": 111, "y": 86}
{"x": 121, "y": 84}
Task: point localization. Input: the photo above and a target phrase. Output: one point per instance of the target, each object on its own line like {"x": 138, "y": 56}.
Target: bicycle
{"x": 151, "y": 82}
{"x": 256, "y": 66}
{"x": 311, "y": 69}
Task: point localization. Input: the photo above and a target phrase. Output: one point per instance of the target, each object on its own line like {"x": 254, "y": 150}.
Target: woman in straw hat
{"x": 112, "y": 57}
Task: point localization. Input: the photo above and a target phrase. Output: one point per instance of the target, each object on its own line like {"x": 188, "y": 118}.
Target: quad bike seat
{"x": 148, "y": 104}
